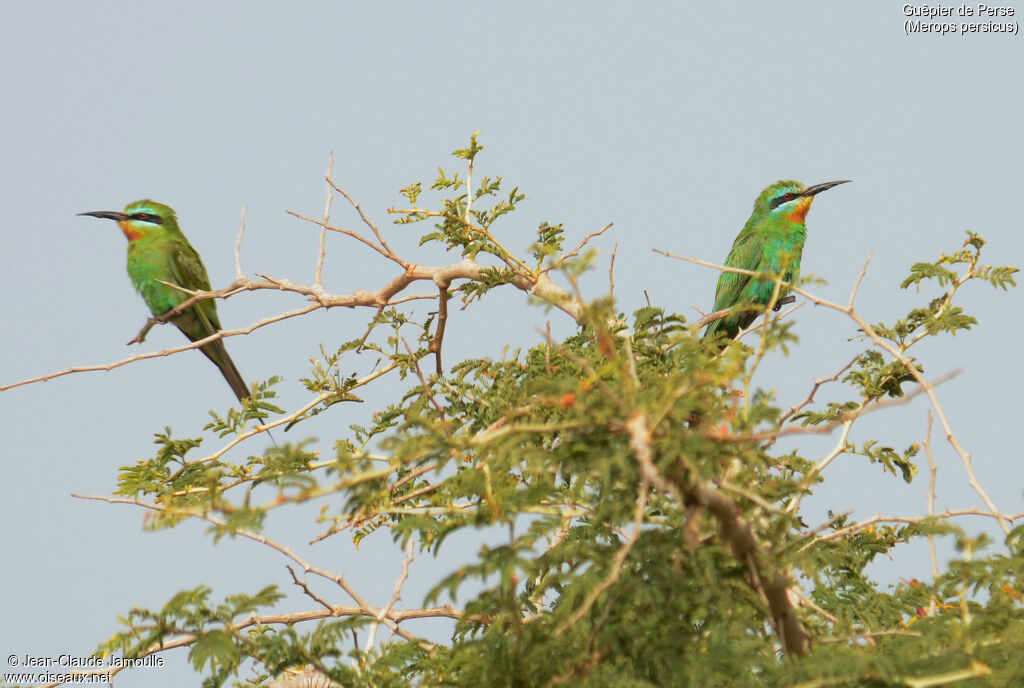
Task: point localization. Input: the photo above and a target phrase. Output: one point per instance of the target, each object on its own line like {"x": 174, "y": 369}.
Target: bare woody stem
{"x": 765, "y": 578}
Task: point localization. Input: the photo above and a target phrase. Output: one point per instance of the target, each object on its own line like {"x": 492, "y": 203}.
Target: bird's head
{"x": 140, "y": 218}
{"x": 789, "y": 199}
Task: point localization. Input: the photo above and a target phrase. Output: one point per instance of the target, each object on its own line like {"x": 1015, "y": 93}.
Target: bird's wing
{"x": 745, "y": 255}
{"x": 188, "y": 271}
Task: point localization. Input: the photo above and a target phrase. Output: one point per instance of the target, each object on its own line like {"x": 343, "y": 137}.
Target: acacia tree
{"x": 654, "y": 527}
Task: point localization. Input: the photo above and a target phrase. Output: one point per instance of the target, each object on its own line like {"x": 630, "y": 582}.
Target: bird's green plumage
{"x": 771, "y": 243}
{"x": 158, "y": 250}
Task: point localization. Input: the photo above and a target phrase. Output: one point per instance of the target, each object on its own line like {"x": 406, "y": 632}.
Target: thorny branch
{"x": 770, "y": 583}
{"x": 537, "y": 284}
{"x": 576, "y": 251}
{"x": 898, "y": 354}
{"x": 913, "y": 520}
{"x": 389, "y": 617}
{"x": 933, "y": 471}
{"x": 929, "y": 390}
{"x": 842, "y": 419}
{"x": 318, "y": 282}
{"x": 305, "y": 588}
{"x": 166, "y": 352}
{"x": 387, "y": 614}
{"x": 386, "y": 609}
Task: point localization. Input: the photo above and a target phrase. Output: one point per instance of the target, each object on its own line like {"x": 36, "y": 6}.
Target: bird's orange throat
{"x": 131, "y": 232}
{"x": 800, "y": 211}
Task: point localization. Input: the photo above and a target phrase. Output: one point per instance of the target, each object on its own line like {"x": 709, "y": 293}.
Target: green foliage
{"x": 255, "y": 408}
{"x": 548, "y": 244}
{"x": 941, "y": 315}
{"x": 217, "y": 643}
{"x": 877, "y": 377}
{"x": 641, "y": 525}
{"x": 894, "y": 462}
{"x": 1001, "y": 277}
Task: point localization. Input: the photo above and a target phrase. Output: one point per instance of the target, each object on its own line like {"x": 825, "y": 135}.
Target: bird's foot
{"x": 783, "y": 301}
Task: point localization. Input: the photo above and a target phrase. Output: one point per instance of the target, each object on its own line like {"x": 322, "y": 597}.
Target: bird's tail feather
{"x": 216, "y": 352}
{"x": 219, "y": 355}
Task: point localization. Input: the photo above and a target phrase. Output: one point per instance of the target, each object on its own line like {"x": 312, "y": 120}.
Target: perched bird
{"x": 771, "y": 242}
{"x": 157, "y": 250}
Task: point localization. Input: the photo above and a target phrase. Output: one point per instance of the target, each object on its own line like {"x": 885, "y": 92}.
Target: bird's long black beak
{"x": 818, "y": 188}
{"x": 107, "y": 215}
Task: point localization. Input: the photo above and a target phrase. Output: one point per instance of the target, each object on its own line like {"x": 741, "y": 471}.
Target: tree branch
{"x": 771, "y": 583}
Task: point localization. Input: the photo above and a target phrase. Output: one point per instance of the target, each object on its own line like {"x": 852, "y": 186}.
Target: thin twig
{"x": 868, "y": 635}
{"x": 221, "y": 334}
{"x": 915, "y": 520}
{"x": 611, "y": 272}
{"x": 347, "y": 232}
{"x": 305, "y": 588}
{"x": 818, "y": 382}
{"x": 839, "y": 448}
{"x": 826, "y": 428}
{"x": 933, "y": 471}
{"x": 318, "y": 280}
{"x": 860, "y": 278}
{"x": 576, "y": 251}
{"x": 806, "y": 601}
{"x": 239, "y": 275}
{"x": 423, "y": 380}
{"x": 390, "y": 619}
{"x": 386, "y": 609}
{"x": 366, "y": 220}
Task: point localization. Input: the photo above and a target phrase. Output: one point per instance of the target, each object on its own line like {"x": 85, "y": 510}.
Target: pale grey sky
{"x": 665, "y": 118}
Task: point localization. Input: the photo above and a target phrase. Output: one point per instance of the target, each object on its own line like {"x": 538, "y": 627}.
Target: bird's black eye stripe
{"x": 147, "y": 217}
{"x": 784, "y": 198}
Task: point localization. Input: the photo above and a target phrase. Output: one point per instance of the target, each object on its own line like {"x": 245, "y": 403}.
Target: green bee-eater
{"x": 157, "y": 250}
{"x": 771, "y": 243}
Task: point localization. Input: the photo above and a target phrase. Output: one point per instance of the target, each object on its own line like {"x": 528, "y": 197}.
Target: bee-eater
{"x": 157, "y": 250}
{"x": 771, "y": 243}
